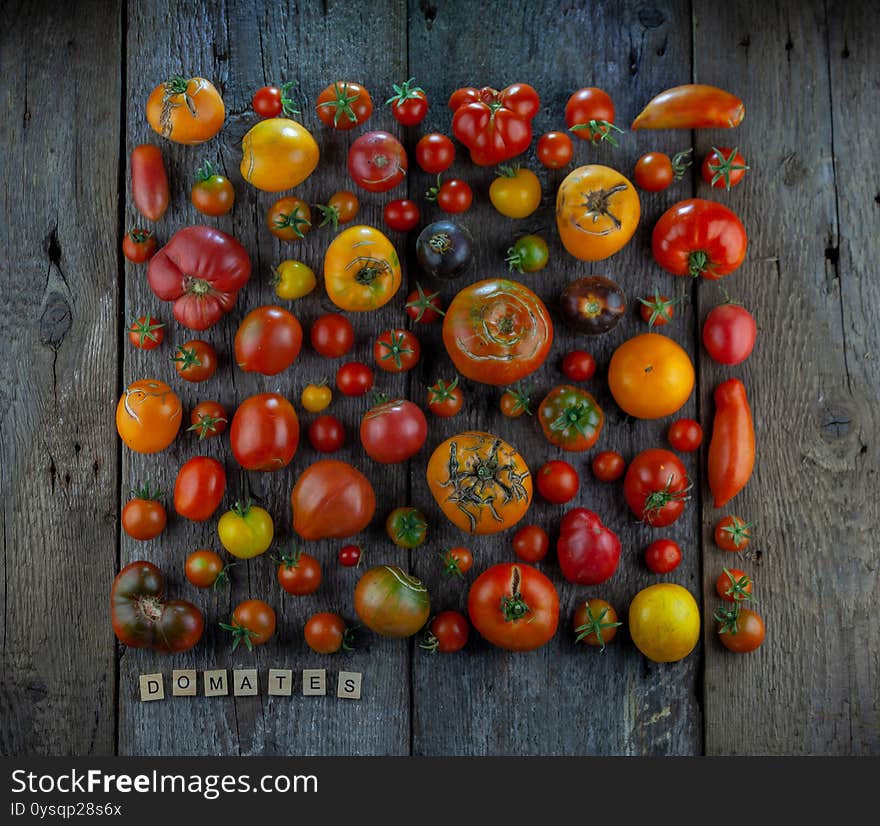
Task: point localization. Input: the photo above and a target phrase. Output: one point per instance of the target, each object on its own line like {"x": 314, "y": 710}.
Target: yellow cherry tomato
{"x": 278, "y": 154}
{"x": 664, "y": 622}
{"x": 293, "y": 280}
{"x": 246, "y": 531}
{"x": 361, "y": 269}
{"x": 316, "y": 397}
{"x": 516, "y": 193}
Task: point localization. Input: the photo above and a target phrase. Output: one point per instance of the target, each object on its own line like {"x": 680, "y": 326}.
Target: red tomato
{"x": 588, "y": 551}
{"x": 268, "y": 341}
{"x": 264, "y": 433}
{"x": 657, "y": 310}
{"x": 734, "y": 585}
{"x": 554, "y": 149}
{"x": 435, "y": 153}
{"x": 394, "y": 431}
{"x": 595, "y": 623}
{"x": 149, "y": 181}
{"x": 579, "y": 365}
{"x": 340, "y": 209}
{"x": 663, "y": 556}
{"x": 377, "y": 161}
{"x": 350, "y": 556}
{"x": 409, "y": 104}
{"x": 331, "y": 500}
{"x": 655, "y": 171}
{"x": 139, "y": 245}
{"x": 401, "y": 215}
{"x": 729, "y": 333}
{"x": 445, "y": 398}
{"x": 447, "y": 632}
{"x": 199, "y": 488}
{"x": 146, "y": 332}
{"x": 457, "y": 561}
{"x": 558, "y": 481}
{"x": 327, "y": 434}
{"x": 685, "y": 435}
{"x": 740, "y": 629}
{"x": 208, "y": 419}
{"x": 344, "y": 105}
{"x": 273, "y": 102}
{"x": 656, "y": 487}
{"x": 514, "y": 606}
{"x": 723, "y": 168}
{"x": 326, "y": 633}
{"x": 205, "y": 569}
{"x": 453, "y": 196}
{"x": 531, "y": 543}
{"x": 144, "y": 516}
{"x": 195, "y": 361}
{"x": 589, "y": 113}
{"x": 733, "y": 534}
{"x": 396, "y": 351}
{"x": 608, "y": 466}
{"x": 354, "y": 378}
{"x": 332, "y": 335}
{"x": 425, "y": 308}
{"x": 299, "y": 573}
{"x": 253, "y": 623}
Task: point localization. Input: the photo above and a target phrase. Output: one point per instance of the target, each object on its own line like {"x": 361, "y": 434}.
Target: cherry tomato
{"x": 435, "y": 153}
{"x": 326, "y": 434}
{"x": 212, "y": 193}
{"x": 733, "y": 534}
{"x": 608, "y": 466}
{"x": 298, "y": 573}
{"x": 326, "y": 633}
{"x": 344, "y": 105}
{"x": 138, "y": 245}
{"x": 554, "y": 150}
{"x": 729, "y": 333}
{"x": 595, "y": 623}
{"x": 453, "y": 196}
{"x": 354, "y": 378}
{"x": 657, "y": 310}
{"x": 578, "y": 365}
{"x": 144, "y": 516}
{"x": 332, "y": 335}
{"x": 655, "y": 171}
{"x": 146, "y": 332}
{"x": 409, "y": 104}
{"x": 445, "y": 398}
{"x": 377, "y": 161}
{"x": 396, "y": 351}
{"x": 340, "y": 209}
{"x": 457, "y": 561}
{"x": 253, "y": 623}
{"x": 723, "y": 168}
{"x": 558, "y": 481}
{"x": 740, "y": 630}
{"x": 589, "y": 113}
{"x": 685, "y": 435}
{"x": 205, "y": 569}
{"x": 293, "y": 279}
{"x": 422, "y": 307}
{"x": 446, "y": 633}
{"x": 528, "y": 254}
{"x": 531, "y": 543}
{"x": 515, "y": 401}
{"x": 273, "y": 101}
{"x": 289, "y": 218}
{"x": 663, "y": 556}
{"x": 195, "y": 361}
{"x": 316, "y": 397}
{"x": 350, "y": 556}
{"x": 734, "y": 585}
{"x": 208, "y": 418}
{"x": 401, "y": 215}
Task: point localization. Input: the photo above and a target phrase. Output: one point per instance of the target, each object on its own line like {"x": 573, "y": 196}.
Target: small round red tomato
{"x": 733, "y": 534}
{"x": 453, "y": 196}
{"x": 146, "y": 332}
{"x": 332, "y": 335}
{"x": 422, "y": 307}
{"x": 354, "y": 378}
{"x": 298, "y": 573}
{"x": 531, "y": 543}
{"x": 340, "y": 209}
{"x": 657, "y": 310}
{"x": 144, "y": 516}
{"x": 447, "y": 632}
{"x": 377, "y": 161}
{"x": 289, "y": 218}
{"x": 435, "y": 153}
{"x": 393, "y": 431}
{"x": 253, "y": 623}
{"x": 212, "y": 193}
{"x": 729, "y": 333}
{"x": 595, "y": 623}
{"x": 734, "y": 585}
{"x": 396, "y": 351}
{"x": 406, "y": 527}
{"x": 740, "y": 630}
{"x": 409, "y": 104}
{"x": 327, "y": 434}
{"x": 579, "y": 365}
{"x": 273, "y": 101}
{"x": 326, "y": 633}
{"x": 205, "y": 569}
{"x": 515, "y": 401}
{"x": 663, "y": 556}
{"x": 608, "y": 466}
{"x": 655, "y": 171}
{"x": 350, "y": 556}
{"x": 554, "y": 150}
{"x": 199, "y": 488}
{"x": 344, "y": 105}
{"x": 268, "y": 341}
{"x": 723, "y": 168}
{"x": 138, "y": 245}
{"x": 264, "y": 433}
{"x": 685, "y": 435}
{"x": 195, "y": 361}
{"x": 401, "y": 215}
{"x": 656, "y": 487}
{"x": 558, "y": 481}
{"x": 589, "y": 113}
{"x": 457, "y": 561}
{"x": 208, "y": 418}
{"x": 445, "y": 398}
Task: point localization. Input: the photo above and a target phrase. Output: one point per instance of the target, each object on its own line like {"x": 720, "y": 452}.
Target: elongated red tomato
{"x": 692, "y": 106}
{"x": 732, "y": 449}
{"x": 149, "y": 183}
{"x": 199, "y": 488}
{"x": 264, "y": 433}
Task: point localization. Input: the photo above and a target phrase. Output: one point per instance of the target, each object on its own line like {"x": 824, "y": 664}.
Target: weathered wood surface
{"x": 811, "y": 92}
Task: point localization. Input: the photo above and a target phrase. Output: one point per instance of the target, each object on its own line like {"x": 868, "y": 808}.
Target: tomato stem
{"x": 513, "y": 606}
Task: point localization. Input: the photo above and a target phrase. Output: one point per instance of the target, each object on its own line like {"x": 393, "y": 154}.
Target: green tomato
{"x": 407, "y": 527}
{"x": 528, "y": 254}
{"x": 246, "y": 531}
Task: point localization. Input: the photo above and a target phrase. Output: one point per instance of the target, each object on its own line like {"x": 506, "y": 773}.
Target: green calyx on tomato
{"x": 519, "y": 400}
{"x": 240, "y": 634}
{"x": 186, "y": 357}
{"x": 407, "y": 527}
{"x": 594, "y": 626}
{"x": 341, "y": 103}
{"x": 431, "y": 195}
{"x": 657, "y": 500}
{"x": 570, "y": 418}
{"x": 370, "y": 270}
{"x": 681, "y": 161}
{"x": 205, "y": 426}
{"x": 294, "y": 221}
{"x": 145, "y": 327}
{"x": 424, "y": 302}
{"x": 290, "y": 559}
{"x": 728, "y": 617}
{"x": 329, "y": 215}
{"x": 395, "y": 348}
{"x": 441, "y": 391}
{"x": 600, "y": 130}
{"x": 405, "y": 91}
{"x": 288, "y": 107}
{"x": 146, "y": 492}
{"x": 205, "y": 172}
{"x": 740, "y": 587}
{"x": 722, "y": 170}
{"x": 660, "y": 307}
{"x": 739, "y": 532}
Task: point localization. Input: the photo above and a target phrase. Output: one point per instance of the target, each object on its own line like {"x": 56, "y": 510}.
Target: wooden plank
{"x": 811, "y": 688}
{"x": 558, "y": 700}
{"x": 58, "y": 453}
{"x": 242, "y": 46}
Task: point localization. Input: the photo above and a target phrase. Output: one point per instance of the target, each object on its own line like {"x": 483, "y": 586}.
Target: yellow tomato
{"x": 293, "y": 280}
{"x": 361, "y": 269}
{"x": 246, "y": 531}
{"x": 664, "y": 622}
{"x": 650, "y": 376}
{"x": 597, "y": 212}
{"x": 148, "y": 416}
{"x": 316, "y": 397}
{"x": 278, "y": 154}
{"x": 516, "y": 192}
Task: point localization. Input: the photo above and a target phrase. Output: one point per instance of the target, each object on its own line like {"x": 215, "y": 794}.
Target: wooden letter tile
{"x": 280, "y": 682}
{"x": 183, "y": 682}
{"x": 244, "y": 682}
{"x": 216, "y": 683}
{"x": 152, "y": 687}
{"x": 314, "y": 682}
{"x": 349, "y": 687}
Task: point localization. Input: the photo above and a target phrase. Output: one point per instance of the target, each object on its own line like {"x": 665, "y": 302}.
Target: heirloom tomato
{"x": 554, "y": 150}
{"x": 205, "y": 569}
{"x": 597, "y": 212}
{"x": 656, "y": 487}
{"x": 514, "y": 606}
{"x": 148, "y": 416}
{"x": 195, "y": 361}
{"x": 298, "y": 573}
{"x": 144, "y": 516}
{"x": 453, "y": 196}
{"x": 409, "y": 104}
{"x": 422, "y": 307}
{"x": 393, "y": 431}
{"x": 267, "y": 341}
{"x": 406, "y": 527}
{"x": 199, "y": 488}
{"x": 497, "y": 331}
{"x": 447, "y": 632}
{"x": 515, "y": 401}
{"x": 326, "y": 434}
{"x": 732, "y": 447}
{"x": 589, "y": 113}
{"x": 354, "y": 378}
{"x": 208, "y": 419}
{"x": 332, "y": 335}
{"x": 361, "y": 269}
{"x": 515, "y": 192}
{"x": 278, "y": 154}
{"x": 344, "y": 105}
{"x": 396, "y": 351}
{"x": 253, "y": 623}
{"x": 316, "y": 397}
{"x": 445, "y": 249}
{"x": 331, "y": 500}
{"x": 657, "y": 310}
{"x": 246, "y": 531}
{"x": 528, "y": 254}
{"x": 293, "y": 279}
{"x": 435, "y": 153}
{"x": 740, "y": 630}
{"x": 188, "y": 111}
{"x": 692, "y": 106}
{"x": 557, "y": 481}
{"x": 588, "y": 551}
{"x": 664, "y": 622}
{"x": 391, "y": 602}
{"x": 595, "y": 623}
{"x": 326, "y": 632}
{"x": 139, "y": 245}
{"x": 212, "y": 193}
{"x": 650, "y": 376}
{"x": 457, "y": 561}
{"x": 531, "y": 543}
{"x": 377, "y": 161}
{"x": 480, "y": 482}
{"x": 570, "y": 418}
{"x": 593, "y": 304}
{"x": 149, "y": 181}
{"x": 264, "y": 433}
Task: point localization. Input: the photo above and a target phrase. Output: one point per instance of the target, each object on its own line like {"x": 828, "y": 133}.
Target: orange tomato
{"x": 480, "y": 482}
{"x": 650, "y": 376}
{"x": 148, "y": 416}
{"x": 597, "y": 212}
{"x": 185, "y": 110}
{"x": 278, "y": 154}
{"x": 361, "y": 269}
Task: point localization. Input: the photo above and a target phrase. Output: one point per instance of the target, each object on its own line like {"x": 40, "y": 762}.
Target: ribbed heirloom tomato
{"x": 268, "y": 341}
{"x": 361, "y": 269}
{"x": 148, "y": 416}
{"x": 278, "y": 154}
{"x": 332, "y": 500}
{"x": 264, "y": 433}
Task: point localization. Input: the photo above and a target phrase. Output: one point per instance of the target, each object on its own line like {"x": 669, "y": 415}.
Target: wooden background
{"x": 74, "y": 80}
